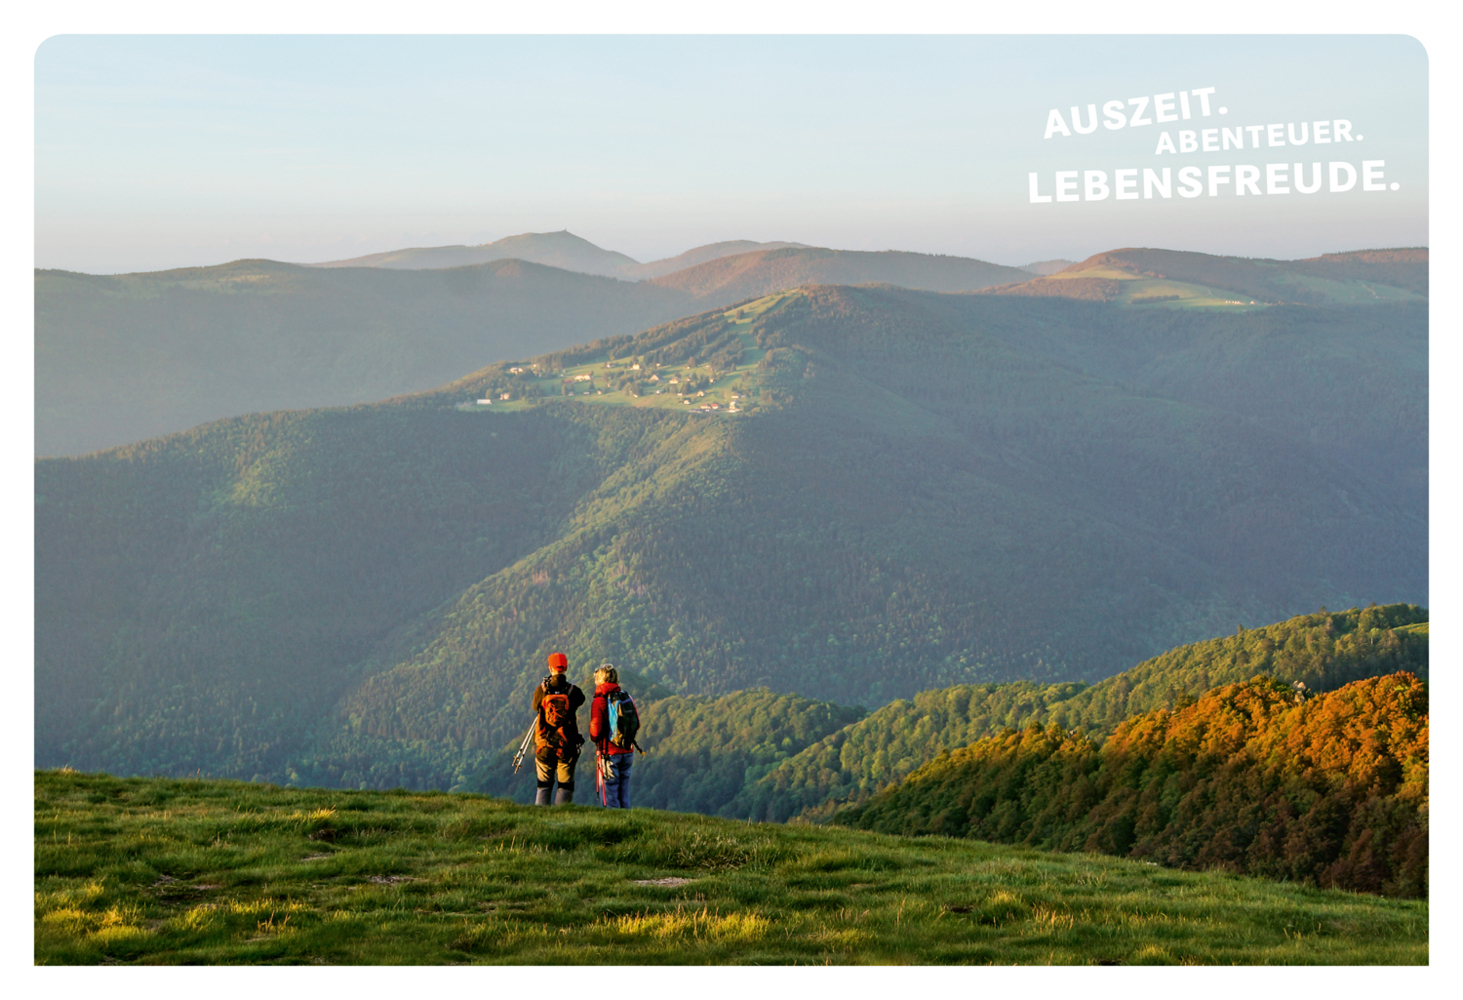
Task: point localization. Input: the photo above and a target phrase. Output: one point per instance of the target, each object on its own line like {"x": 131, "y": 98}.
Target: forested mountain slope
{"x": 1252, "y": 777}
{"x": 908, "y": 497}
{"x": 1322, "y": 651}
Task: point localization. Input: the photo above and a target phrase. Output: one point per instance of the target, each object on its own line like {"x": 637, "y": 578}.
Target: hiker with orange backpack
{"x": 556, "y": 733}
{"x": 613, "y": 723}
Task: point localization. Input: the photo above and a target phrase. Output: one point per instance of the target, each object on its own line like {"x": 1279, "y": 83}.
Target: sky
{"x": 158, "y": 151}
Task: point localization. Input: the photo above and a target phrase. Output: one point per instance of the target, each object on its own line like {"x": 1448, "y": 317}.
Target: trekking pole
{"x": 523, "y": 747}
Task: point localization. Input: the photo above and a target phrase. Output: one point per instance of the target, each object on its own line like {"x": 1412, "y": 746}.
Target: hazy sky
{"x": 165, "y": 151}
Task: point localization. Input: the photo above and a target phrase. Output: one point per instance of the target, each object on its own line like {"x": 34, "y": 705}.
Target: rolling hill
{"x": 897, "y": 491}
{"x": 125, "y": 357}
{"x": 128, "y": 357}
{"x": 748, "y": 275}
{"x": 700, "y": 255}
{"x": 1178, "y": 279}
{"x": 563, "y": 250}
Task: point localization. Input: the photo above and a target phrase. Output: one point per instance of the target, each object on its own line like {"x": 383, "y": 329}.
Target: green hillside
{"x": 1323, "y": 651}
{"x": 907, "y": 500}
{"x": 1253, "y": 777}
{"x": 149, "y": 872}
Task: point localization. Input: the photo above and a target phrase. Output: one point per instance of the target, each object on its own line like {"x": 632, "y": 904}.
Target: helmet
{"x": 558, "y": 661}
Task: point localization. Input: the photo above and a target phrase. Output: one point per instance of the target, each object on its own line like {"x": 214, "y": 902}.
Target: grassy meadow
{"x": 163, "y": 871}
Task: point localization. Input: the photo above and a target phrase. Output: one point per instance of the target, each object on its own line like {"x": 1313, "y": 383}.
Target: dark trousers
{"x": 617, "y": 779}
{"x": 549, "y": 767}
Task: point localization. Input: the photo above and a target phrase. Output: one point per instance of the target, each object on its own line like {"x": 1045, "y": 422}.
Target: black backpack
{"x": 624, "y": 719}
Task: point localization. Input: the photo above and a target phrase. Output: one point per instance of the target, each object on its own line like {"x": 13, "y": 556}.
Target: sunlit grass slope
{"x": 138, "y": 871}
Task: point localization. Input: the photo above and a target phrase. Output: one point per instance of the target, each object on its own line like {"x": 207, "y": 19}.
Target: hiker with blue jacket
{"x": 613, "y": 723}
{"x": 556, "y": 733}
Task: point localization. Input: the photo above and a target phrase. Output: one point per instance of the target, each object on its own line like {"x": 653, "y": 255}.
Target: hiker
{"x": 613, "y": 723}
{"x": 556, "y": 733}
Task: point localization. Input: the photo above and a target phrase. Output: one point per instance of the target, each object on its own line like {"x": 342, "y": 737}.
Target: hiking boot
{"x": 541, "y": 797}
{"x": 562, "y": 798}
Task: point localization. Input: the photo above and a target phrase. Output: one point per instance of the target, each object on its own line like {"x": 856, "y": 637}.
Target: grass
{"x": 163, "y": 871}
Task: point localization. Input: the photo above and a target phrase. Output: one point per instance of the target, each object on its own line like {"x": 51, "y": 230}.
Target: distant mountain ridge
{"x": 700, "y": 255}
{"x": 120, "y": 358}
{"x": 1145, "y": 276}
{"x": 561, "y": 249}
{"x": 749, "y": 275}
{"x": 1045, "y": 267}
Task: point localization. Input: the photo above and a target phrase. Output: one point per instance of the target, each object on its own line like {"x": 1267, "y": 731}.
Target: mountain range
{"x": 848, "y": 494}
{"x": 121, "y": 358}
{"x": 562, "y": 250}
{"x": 1184, "y": 279}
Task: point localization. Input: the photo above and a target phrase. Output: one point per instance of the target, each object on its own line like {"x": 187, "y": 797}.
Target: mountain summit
{"x": 562, "y": 249}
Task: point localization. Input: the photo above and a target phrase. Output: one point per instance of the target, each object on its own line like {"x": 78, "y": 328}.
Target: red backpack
{"x": 556, "y": 718}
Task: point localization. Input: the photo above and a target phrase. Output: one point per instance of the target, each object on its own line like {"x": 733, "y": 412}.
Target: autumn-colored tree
{"x": 1252, "y": 777}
